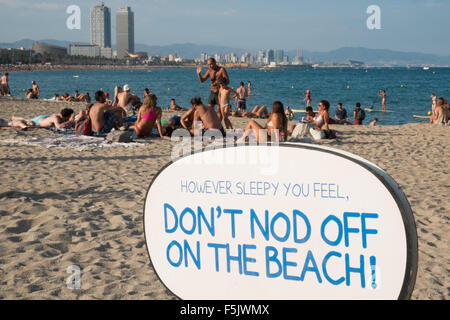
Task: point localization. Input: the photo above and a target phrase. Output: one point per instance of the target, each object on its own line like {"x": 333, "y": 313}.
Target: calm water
{"x": 335, "y": 85}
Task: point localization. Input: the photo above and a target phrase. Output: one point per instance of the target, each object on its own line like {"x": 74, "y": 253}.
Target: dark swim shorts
{"x": 213, "y": 98}
{"x": 110, "y": 122}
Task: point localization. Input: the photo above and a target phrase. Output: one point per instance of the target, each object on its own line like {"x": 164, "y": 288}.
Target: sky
{"x": 315, "y": 25}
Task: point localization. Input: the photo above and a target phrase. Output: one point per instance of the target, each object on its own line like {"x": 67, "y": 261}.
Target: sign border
{"x": 394, "y": 189}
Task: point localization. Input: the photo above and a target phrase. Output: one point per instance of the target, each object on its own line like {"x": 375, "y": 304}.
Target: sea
{"x": 408, "y": 89}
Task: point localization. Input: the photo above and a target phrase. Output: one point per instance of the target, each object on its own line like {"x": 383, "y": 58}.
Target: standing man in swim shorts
{"x": 242, "y": 94}
{"x": 4, "y": 87}
{"x": 215, "y": 73}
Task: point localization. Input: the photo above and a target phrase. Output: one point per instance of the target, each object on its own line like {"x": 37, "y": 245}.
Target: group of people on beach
{"x": 440, "y": 110}
{"x": 126, "y": 111}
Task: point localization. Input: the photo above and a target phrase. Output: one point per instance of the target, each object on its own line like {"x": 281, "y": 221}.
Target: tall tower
{"x": 125, "y": 31}
{"x": 101, "y": 26}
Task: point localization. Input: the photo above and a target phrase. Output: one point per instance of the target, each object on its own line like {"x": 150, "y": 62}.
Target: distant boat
{"x": 426, "y": 68}
{"x": 76, "y": 76}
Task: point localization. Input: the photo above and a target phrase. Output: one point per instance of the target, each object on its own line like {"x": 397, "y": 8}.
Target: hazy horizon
{"x": 406, "y": 25}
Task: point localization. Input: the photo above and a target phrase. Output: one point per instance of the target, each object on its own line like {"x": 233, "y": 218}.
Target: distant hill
{"x": 374, "y": 57}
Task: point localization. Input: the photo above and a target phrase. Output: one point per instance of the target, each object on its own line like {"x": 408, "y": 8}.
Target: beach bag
{"x": 316, "y": 134}
{"x": 361, "y": 115}
{"x": 120, "y": 136}
{"x": 330, "y": 134}
{"x": 83, "y": 126}
{"x": 300, "y": 130}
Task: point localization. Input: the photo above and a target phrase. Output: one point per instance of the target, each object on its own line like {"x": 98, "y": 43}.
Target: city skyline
{"x": 415, "y": 26}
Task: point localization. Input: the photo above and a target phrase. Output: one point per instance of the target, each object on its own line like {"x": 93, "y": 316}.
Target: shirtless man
{"x": 4, "y": 88}
{"x": 215, "y": 73}
{"x": 207, "y": 116}
{"x": 382, "y": 94}
{"x": 187, "y": 120}
{"x": 242, "y": 95}
{"x": 62, "y": 120}
{"x": 104, "y": 117}
{"x": 126, "y": 100}
{"x": 36, "y": 91}
{"x": 224, "y": 100}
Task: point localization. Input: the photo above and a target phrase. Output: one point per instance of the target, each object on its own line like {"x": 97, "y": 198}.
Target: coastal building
{"x": 101, "y": 26}
{"x": 87, "y": 50}
{"x": 125, "y": 32}
{"x": 260, "y": 56}
{"x": 45, "y": 48}
{"x": 270, "y": 56}
{"x": 299, "y": 57}
{"x": 278, "y": 56}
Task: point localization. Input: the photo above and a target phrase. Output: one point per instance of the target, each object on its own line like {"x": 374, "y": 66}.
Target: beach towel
{"x": 79, "y": 143}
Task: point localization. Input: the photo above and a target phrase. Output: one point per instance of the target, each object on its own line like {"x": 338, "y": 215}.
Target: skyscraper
{"x": 125, "y": 31}
{"x": 101, "y": 26}
{"x": 279, "y": 56}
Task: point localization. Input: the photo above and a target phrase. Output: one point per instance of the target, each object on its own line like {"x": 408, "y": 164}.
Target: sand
{"x": 63, "y": 207}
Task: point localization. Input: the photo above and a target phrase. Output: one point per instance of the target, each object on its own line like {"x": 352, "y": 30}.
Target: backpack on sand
{"x": 361, "y": 115}
{"x": 83, "y": 126}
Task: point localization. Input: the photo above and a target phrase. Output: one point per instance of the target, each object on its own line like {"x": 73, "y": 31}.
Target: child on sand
{"x": 224, "y": 101}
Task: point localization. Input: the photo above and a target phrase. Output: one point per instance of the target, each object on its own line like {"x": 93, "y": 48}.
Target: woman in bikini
{"x": 277, "y": 121}
{"x": 149, "y": 116}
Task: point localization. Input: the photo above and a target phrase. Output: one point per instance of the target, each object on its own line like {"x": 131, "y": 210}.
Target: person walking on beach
{"x": 249, "y": 88}
{"x": 242, "y": 95}
{"x": 215, "y": 73}
{"x": 4, "y": 87}
{"x": 358, "y": 115}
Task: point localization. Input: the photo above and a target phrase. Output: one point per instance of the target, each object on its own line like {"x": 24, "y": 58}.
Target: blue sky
{"x": 318, "y": 25}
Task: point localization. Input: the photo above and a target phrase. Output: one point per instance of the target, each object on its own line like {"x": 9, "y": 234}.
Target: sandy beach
{"x": 62, "y": 207}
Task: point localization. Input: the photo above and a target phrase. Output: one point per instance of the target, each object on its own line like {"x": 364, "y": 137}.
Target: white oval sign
{"x": 280, "y": 222}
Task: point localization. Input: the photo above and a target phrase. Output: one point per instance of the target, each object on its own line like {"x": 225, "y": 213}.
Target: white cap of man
{"x": 126, "y": 88}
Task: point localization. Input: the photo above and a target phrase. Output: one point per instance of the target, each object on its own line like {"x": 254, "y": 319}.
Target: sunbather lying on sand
{"x": 257, "y": 112}
{"x": 62, "y": 120}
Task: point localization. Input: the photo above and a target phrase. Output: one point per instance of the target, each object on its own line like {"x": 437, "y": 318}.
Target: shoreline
{"x": 35, "y": 68}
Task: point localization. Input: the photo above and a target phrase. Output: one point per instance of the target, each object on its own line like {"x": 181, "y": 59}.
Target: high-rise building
{"x": 279, "y": 56}
{"x": 101, "y": 26}
{"x": 270, "y": 56}
{"x": 125, "y": 32}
